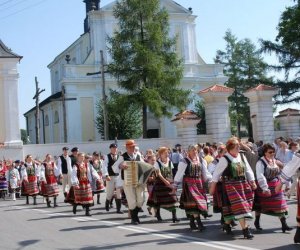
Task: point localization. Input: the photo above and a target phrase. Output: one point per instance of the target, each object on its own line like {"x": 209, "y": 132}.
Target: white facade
{"x": 289, "y": 121}
{"x": 10, "y": 136}
{"x": 84, "y": 57}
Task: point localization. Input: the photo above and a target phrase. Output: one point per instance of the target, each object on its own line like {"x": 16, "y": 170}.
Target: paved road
{"x": 38, "y": 227}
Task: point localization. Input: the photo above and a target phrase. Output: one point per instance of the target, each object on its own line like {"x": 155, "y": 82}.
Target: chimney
{"x": 90, "y": 5}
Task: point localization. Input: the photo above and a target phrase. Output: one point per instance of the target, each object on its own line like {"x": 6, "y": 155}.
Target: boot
{"x": 87, "y": 211}
{"x": 55, "y": 202}
{"x": 192, "y": 223}
{"x": 247, "y": 233}
{"x": 284, "y": 227}
{"x": 98, "y": 199}
{"x": 74, "y": 208}
{"x": 256, "y": 222}
{"x": 227, "y": 228}
{"x": 111, "y": 204}
{"x": 200, "y": 225}
{"x": 13, "y": 196}
{"x": 133, "y": 217}
{"x": 27, "y": 200}
{"x": 119, "y": 204}
{"x": 222, "y": 221}
{"x": 65, "y": 194}
{"x": 174, "y": 216}
{"x": 34, "y": 200}
{"x": 297, "y": 236}
{"x": 107, "y": 205}
{"x": 233, "y": 224}
{"x": 138, "y": 209}
{"x": 159, "y": 219}
{"x": 48, "y": 202}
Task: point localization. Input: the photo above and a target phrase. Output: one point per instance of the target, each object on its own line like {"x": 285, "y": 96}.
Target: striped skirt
{"x": 273, "y": 205}
{"x": 70, "y": 198}
{"x": 50, "y": 188}
{"x": 162, "y": 196}
{"x": 193, "y": 197}
{"x": 3, "y": 183}
{"x": 30, "y": 187}
{"x": 237, "y": 199}
{"x": 98, "y": 185}
{"x": 217, "y": 198}
{"x": 84, "y": 194}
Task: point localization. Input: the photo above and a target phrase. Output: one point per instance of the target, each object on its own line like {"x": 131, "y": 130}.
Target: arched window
{"x": 46, "y": 120}
{"x": 56, "y": 117}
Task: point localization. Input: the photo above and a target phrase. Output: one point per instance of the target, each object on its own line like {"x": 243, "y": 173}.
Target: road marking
{"x": 41, "y": 210}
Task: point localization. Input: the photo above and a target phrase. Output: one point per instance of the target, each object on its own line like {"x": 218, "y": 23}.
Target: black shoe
{"x": 34, "y": 200}
{"x": 158, "y": 216}
{"x": 222, "y": 221}
{"x": 74, "y": 208}
{"x": 119, "y": 204}
{"x": 27, "y": 200}
{"x": 133, "y": 217}
{"x": 107, "y": 205}
{"x": 284, "y": 226}
{"x": 48, "y": 202}
{"x": 87, "y": 211}
{"x": 174, "y": 217}
{"x": 256, "y": 223}
{"x": 65, "y": 194}
{"x": 55, "y": 202}
{"x": 138, "y": 209}
{"x": 297, "y": 236}
{"x": 227, "y": 228}
{"x": 192, "y": 223}
{"x": 111, "y": 204}
{"x": 98, "y": 199}
{"x": 247, "y": 233}
{"x": 201, "y": 227}
{"x": 207, "y": 215}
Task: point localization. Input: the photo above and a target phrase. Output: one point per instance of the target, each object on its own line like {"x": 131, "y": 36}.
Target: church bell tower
{"x": 90, "y": 5}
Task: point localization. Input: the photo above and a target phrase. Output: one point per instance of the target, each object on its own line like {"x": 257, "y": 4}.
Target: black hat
{"x": 65, "y": 148}
{"x": 113, "y": 145}
{"x": 17, "y": 161}
{"x": 95, "y": 153}
{"x": 75, "y": 149}
{"x": 177, "y": 145}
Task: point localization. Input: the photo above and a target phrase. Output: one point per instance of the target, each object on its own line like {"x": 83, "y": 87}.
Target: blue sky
{"x": 39, "y": 30}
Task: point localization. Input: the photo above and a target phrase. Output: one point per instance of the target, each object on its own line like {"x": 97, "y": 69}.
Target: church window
{"x": 46, "y": 120}
{"x": 56, "y": 117}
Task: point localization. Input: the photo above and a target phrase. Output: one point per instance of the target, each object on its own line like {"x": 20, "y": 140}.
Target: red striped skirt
{"x": 162, "y": 196}
{"x": 98, "y": 186}
{"x": 84, "y": 194}
{"x": 237, "y": 199}
{"x": 51, "y": 188}
{"x": 193, "y": 197}
{"x": 273, "y": 205}
{"x": 31, "y": 186}
{"x": 70, "y": 198}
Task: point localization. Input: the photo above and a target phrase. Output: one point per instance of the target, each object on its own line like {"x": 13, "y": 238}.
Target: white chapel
{"x": 69, "y": 71}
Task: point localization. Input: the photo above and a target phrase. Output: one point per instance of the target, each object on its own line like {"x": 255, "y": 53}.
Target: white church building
{"x": 69, "y": 70}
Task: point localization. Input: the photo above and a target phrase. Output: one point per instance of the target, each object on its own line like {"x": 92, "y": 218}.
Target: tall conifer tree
{"x": 144, "y": 59}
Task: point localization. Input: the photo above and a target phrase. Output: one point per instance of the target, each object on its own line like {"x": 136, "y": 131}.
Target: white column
{"x": 217, "y": 112}
{"x": 261, "y": 113}
{"x": 11, "y": 105}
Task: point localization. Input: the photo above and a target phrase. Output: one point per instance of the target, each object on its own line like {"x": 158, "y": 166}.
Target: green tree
{"x": 124, "y": 121}
{"x": 200, "y": 110}
{"x": 287, "y": 49}
{"x": 245, "y": 68}
{"x": 144, "y": 60}
{"x": 24, "y": 136}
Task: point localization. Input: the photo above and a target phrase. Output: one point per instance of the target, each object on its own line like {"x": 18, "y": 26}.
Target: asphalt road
{"x": 38, "y": 227}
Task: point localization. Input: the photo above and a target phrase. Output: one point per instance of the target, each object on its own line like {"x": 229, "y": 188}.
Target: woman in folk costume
{"x": 192, "y": 172}
{"x": 267, "y": 201}
{"x": 151, "y": 159}
{"x": 48, "y": 178}
{"x": 13, "y": 179}
{"x": 162, "y": 195}
{"x": 97, "y": 184}
{"x": 238, "y": 182}
{"x": 81, "y": 180}
{"x": 29, "y": 179}
{"x": 3, "y": 180}
{"x": 285, "y": 177}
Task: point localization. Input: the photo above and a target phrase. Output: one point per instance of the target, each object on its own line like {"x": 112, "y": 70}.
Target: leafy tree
{"x": 245, "y": 68}
{"x": 24, "y": 136}
{"x": 124, "y": 121}
{"x": 200, "y": 110}
{"x": 287, "y": 49}
{"x": 144, "y": 60}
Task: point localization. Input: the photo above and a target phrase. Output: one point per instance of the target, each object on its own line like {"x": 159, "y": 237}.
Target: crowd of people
{"x": 243, "y": 177}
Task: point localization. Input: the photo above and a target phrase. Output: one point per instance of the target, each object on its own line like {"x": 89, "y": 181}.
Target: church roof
{"x": 5, "y": 52}
{"x": 46, "y": 101}
{"x": 186, "y": 115}
{"x": 216, "y": 88}
{"x": 261, "y": 87}
{"x": 288, "y": 112}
